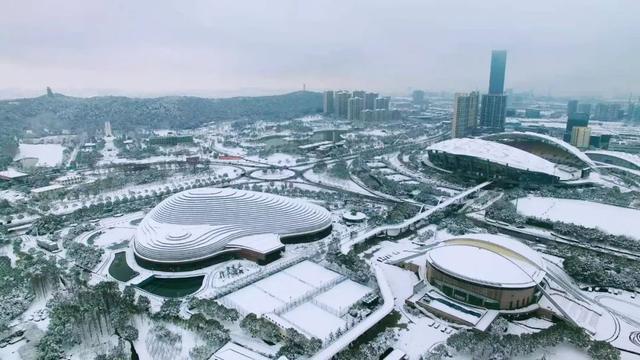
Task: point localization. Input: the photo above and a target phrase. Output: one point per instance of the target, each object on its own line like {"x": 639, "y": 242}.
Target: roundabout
{"x": 272, "y": 174}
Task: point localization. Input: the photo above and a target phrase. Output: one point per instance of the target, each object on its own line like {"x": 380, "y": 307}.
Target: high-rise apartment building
{"x": 358, "y": 93}
{"x": 580, "y": 137}
{"x": 576, "y": 120}
{"x": 354, "y": 108}
{"x": 607, "y": 112}
{"x": 341, "y": 103}
{"x": 382, "y": 103}
{"x": 367, "y": 115}
{"x": 370, "y": 101}
{"x": 328, "y": 102}
{"x": 381, "y": 115}
{"x": 465, "y": 114}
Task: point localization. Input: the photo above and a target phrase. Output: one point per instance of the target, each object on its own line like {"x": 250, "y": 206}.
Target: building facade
{"x": 328, "y": 102}
{"x": 572, "y": 107}
{"x": 341, "y": 103}
{"x": 370, "y": 101}
{"x": 505, "y": 274}
{"x": 465, "y": 114}
{"x": 575, "y": 120}
{"x": 382, "y": 103}
{"x": 580, "y": 137}
{"x": 354, "y": 108}
{"x": 493, "y": 111}
{"x": 498, "y": 68}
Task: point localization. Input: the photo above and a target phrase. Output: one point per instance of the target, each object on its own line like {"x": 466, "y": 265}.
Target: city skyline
{"x": 205, "y": 51}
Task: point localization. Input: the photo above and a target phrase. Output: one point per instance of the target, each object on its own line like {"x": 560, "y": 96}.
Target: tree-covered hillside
{"x": 56, "y": 112}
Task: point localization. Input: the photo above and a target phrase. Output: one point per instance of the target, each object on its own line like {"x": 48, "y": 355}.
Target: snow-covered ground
{"x": 278, "y": 289}
{"x": 12, "y": 196}
{"x": 342, "y": 296}
{"x": 276, "y": 159}
{"x": 612, "y": 219}
{"x": 47, "y": 154}
{"x": 314, "y": 320}
{"x": 68, "y": 206}
{"x": 397, "y": 177}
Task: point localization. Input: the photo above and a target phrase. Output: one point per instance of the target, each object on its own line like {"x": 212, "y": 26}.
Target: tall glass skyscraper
{"x": 494, "y": 104}
{"x": 498, "y": 66}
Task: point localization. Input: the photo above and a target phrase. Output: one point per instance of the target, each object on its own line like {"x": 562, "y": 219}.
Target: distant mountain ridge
{"x": 57, "y": 112}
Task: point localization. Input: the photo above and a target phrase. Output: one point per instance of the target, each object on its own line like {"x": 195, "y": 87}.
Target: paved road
{"x": 407, "y": 223}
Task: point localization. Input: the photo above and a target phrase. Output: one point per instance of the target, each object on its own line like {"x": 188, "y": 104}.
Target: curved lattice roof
{"x": 196, "y": 224}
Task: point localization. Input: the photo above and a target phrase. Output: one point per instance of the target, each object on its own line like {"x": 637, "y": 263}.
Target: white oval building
{"x": 198, "y": 224}
{"x": 486, "y": 270}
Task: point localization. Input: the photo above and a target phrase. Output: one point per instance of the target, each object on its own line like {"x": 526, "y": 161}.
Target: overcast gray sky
{"x": 226, "y": 47}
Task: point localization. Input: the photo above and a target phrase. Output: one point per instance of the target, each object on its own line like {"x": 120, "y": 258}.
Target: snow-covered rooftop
{"x": 44, "y": 189}
{"x": 489, "y": 260}
{"x": 233, "y": 351}
{"x": 199, "y": 223}
{"x": 47, "y": 154}
{"x": 548, "y": 139}
{"x": 497, "y": 153}
{"x": 631, "y": 158}
{"x": 11, "y": 174}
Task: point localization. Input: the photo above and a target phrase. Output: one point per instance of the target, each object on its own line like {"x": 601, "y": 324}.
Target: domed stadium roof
{"x": 200, "y": 223}
{"x": 569, "y": 149}
{"x": 489, "y": 260}
{"x": 497, "y": 153}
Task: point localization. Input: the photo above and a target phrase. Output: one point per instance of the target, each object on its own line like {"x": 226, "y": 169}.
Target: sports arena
{"x": 489, "y": 271}
{"x": 199, "y": 224}
{"x": 518, "y": 158}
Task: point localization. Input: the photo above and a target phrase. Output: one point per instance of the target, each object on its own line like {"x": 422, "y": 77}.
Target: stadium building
{"x": 515, "y": 157}
{"x": 196, "y": 226}
{"x": 544, "y": 146}
{"x": 489, "y": 271}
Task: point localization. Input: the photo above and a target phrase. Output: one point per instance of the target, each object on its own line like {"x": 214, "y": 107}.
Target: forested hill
{"x": 56, "y": 111}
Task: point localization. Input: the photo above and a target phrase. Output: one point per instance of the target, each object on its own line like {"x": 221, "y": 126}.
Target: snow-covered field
{"x": 313, "y": 314}
{"x": 342, "y": 296}
{"x": 274, "y": 291}
{"x": 12, "y": 196}
{"x": 314, "y": 320}
{"x": 310, "y": 271}
{"x": 47, "y": 154}
{"x": 612, "y": 219}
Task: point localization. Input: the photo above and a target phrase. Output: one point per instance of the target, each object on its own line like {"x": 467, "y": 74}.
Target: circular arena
{"x": 490, "y": 271}
{"x": 199, "y": 224}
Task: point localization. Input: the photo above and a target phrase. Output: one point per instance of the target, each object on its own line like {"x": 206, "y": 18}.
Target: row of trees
{"x": 499, "y": 346}
{"x": 350, "y": 263}
{"x": 600, "y": 269}
{"x": 294, "y": 344}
